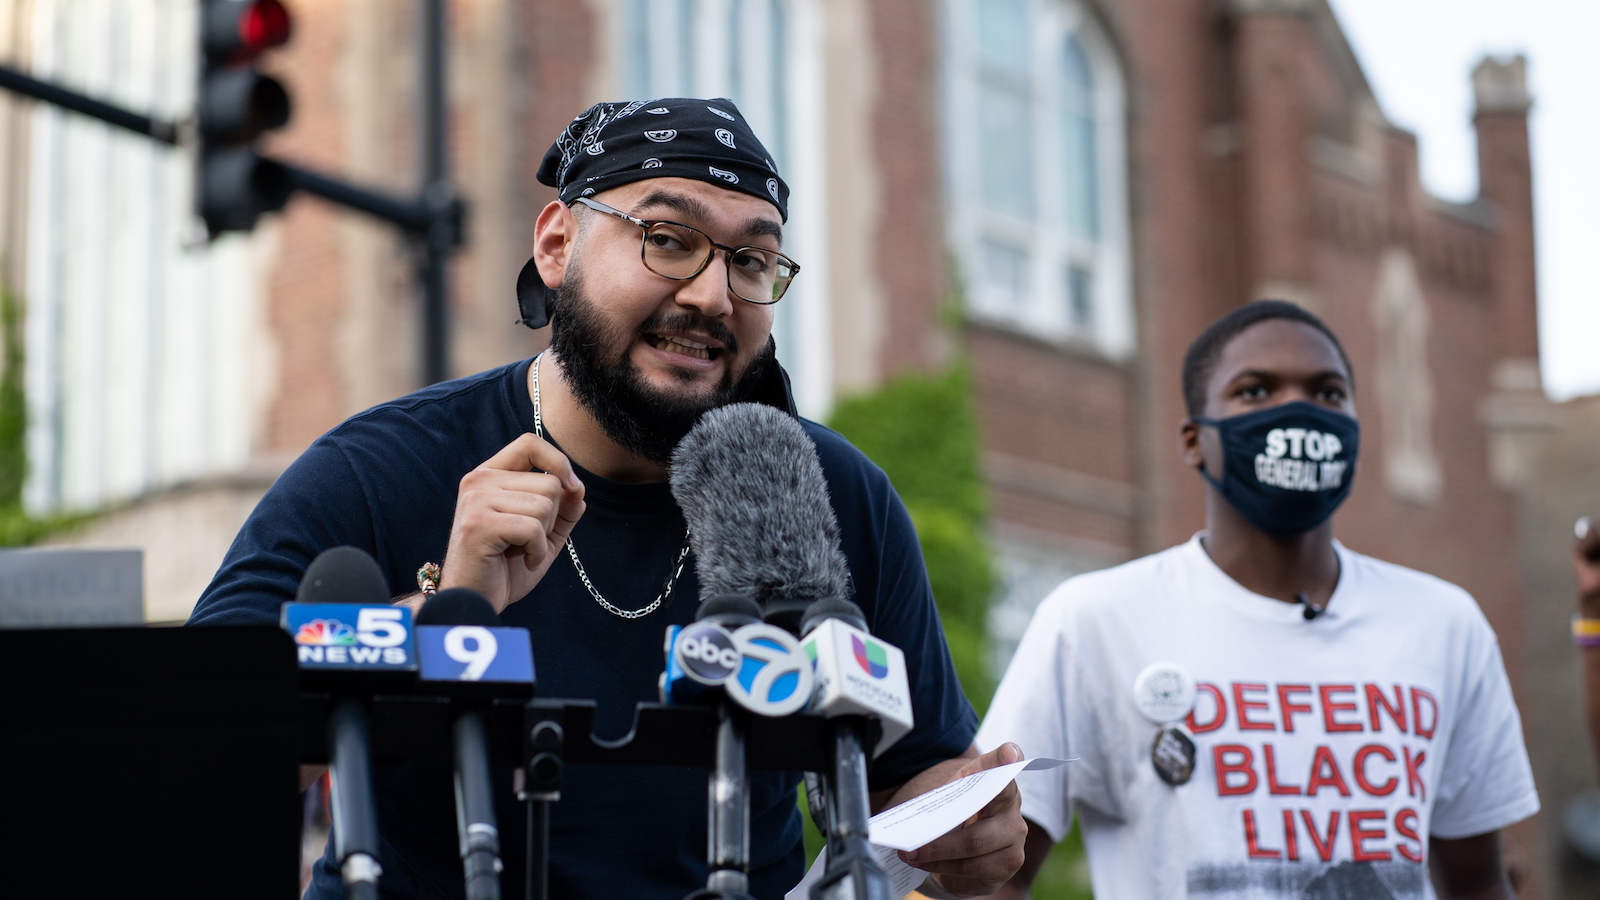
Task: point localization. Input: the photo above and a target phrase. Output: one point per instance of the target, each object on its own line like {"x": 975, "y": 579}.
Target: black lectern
{"x": 149, "y": 761}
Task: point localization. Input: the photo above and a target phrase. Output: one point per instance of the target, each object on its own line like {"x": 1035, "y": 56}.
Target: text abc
{"x": 707, "y": 651}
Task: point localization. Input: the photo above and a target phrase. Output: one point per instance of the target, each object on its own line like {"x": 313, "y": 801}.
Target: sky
{"x": 1419, "y": 55}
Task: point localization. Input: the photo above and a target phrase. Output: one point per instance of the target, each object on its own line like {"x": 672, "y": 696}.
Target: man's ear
{"x": 543, "y": 273}
{"x": 1189, "y": 444}
{"x": 554, "y": 234}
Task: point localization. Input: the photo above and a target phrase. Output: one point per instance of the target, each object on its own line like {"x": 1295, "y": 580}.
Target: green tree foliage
{"x": 13, "y": 408}
{"x": 17, "y": 528}
{"x": 922, "y": 431}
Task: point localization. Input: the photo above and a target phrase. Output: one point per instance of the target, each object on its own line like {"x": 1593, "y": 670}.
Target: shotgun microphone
{"x": 751, "y": 488}
{"x": 762, "y": 526}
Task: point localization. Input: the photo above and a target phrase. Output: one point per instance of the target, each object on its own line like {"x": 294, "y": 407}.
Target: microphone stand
{"x": 475, "y": 820}
{"x": 477, "y": 830}
{"x": 728, "y": 803}
{"x": 541, "y": 787}
{"x": 355, "y": 817}
{"x": 853, "y": 872}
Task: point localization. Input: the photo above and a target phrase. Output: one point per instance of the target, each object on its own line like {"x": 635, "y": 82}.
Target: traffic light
{"x": 234, "y": 105}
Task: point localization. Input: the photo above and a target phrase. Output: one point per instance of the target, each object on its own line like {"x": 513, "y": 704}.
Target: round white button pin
{"x": 1164, "y": 692}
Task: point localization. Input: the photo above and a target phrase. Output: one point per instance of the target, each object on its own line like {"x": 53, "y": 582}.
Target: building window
{"x": 1005, "y": 111}
{"x": 1405, "y": 386}
{"x": 712, "y": 48}
{"x": 1034, "y": 125}
{"x": 764, "y": 55}
{"x": 142, "y": 354}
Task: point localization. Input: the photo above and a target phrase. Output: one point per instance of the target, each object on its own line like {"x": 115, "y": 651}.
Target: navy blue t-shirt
{"x": 386, "y": 481}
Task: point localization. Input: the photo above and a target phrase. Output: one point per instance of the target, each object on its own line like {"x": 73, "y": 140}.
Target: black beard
{"x": 634, "y": 415}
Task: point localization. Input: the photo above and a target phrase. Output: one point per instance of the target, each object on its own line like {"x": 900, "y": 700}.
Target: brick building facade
{"x": 1094, "y": 180}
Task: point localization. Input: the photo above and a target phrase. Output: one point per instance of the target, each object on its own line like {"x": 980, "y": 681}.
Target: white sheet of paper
{"x": 903, "y": 879}
{"x": 924, "y": 818}
{"x": 928, "y": 816}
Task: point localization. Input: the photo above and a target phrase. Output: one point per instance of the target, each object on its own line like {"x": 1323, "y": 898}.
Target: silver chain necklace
{"x": 572, "y": 551}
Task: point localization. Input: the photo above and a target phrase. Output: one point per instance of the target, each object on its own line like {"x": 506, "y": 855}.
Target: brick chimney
{"x": 1272, "y": 38}
{"x": 1505, "y": 184}
{"x": 1516, "y": 411}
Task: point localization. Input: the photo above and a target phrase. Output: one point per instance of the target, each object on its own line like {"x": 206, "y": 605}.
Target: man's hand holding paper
{"x": 966, "y": 829}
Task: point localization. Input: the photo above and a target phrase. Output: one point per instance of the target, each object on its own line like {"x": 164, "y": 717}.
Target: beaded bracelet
{"x": 428, "y": 578}
{"x": 1585, "y": 632}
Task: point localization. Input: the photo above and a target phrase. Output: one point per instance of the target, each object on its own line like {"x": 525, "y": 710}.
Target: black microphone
{"x": 350, "y": 575}
{"x": 762, "y": 526}
{"x": 1308, "y": 612}
{"x": 476, "y": 828}
{"x": 458, "y": 606}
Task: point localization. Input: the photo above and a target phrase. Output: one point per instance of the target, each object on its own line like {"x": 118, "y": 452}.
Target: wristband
{"x": 428, "y": 579}
{"x": 1585, "y": 632}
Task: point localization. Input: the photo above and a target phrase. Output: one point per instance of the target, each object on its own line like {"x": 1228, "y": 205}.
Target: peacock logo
{"x": 871, "y": 657}
{"x": 325, "y": 632}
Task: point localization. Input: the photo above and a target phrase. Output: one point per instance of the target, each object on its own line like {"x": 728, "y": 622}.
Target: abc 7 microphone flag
{"x": 837, "y": 670}
{"x": 762, "y": 667}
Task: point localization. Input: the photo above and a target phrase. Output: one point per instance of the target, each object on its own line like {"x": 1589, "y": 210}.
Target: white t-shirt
{"x": 1326, "y": 751}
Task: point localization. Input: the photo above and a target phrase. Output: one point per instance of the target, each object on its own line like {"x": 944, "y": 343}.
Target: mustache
{"x": 692, "y": 321}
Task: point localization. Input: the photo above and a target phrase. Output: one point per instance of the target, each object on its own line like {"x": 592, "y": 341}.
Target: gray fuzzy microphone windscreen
{"x": 760, "y": 521}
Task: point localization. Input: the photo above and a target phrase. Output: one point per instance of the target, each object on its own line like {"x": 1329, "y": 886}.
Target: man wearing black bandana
{"x": 542, "y": 485}
{"x": 1262, "y": 712}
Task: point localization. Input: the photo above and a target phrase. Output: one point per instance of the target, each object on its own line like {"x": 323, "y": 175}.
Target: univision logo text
{"x": 887, "y": 699}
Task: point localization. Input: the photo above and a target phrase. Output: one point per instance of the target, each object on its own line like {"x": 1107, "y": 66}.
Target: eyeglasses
{"x": 681, "y": 252}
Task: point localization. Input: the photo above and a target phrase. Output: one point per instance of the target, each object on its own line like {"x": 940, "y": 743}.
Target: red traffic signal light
{"x": 234, "y": 105}
{"x": 265, "y": 24}
{"x": 237, "y": 31}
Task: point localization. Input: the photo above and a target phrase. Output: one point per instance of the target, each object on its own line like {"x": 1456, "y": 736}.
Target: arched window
{"x": 1034, "y": 124}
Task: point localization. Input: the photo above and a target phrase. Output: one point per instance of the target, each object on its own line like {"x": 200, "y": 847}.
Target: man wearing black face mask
{"x": 1262, "y": 712}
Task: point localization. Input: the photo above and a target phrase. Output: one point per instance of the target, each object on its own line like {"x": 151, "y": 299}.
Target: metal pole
{"x": 409, "y": 214}
{"x": 436, "y": 197}
{"x": 12, "y": 80}
{"x": 355, "y": 818}
{"x": 728, "y": 830}
{"x": 476, "y": 826}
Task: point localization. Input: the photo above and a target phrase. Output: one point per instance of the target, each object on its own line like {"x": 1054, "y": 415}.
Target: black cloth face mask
{"x": 1287, "y": 468}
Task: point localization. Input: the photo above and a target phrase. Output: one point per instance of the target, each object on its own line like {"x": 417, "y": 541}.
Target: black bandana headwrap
{"x": 612, "y": 144}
